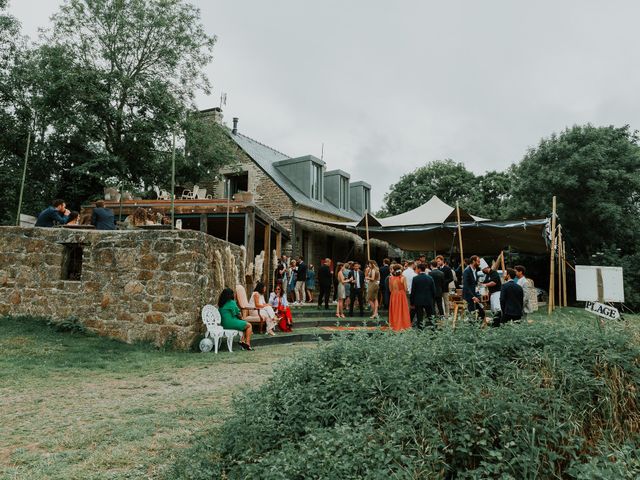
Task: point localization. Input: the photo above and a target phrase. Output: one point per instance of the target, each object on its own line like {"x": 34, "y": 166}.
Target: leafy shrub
{"x": 70, "y": 324}
{"x": 547, "y": 400}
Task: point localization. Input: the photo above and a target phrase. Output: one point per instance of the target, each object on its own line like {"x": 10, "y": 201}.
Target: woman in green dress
{"x": 230, "y": 313}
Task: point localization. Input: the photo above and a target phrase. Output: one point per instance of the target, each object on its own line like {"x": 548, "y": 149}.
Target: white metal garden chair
{"x": 215, "y": 333}
{"x": 190, "y": 194}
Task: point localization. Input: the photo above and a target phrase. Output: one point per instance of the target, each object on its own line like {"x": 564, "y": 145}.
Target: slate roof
{"x": 265, "y": 157}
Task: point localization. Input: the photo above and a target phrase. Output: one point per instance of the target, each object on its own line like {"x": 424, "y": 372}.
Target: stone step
{"x": 330, "y": 322}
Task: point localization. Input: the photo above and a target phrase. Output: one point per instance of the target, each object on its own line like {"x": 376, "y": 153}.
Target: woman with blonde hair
{"x": 373, "y": 277}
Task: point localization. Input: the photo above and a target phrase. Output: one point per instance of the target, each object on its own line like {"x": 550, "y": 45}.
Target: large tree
{"x": 448, "y": 180}
{"x": 103, "y": 96}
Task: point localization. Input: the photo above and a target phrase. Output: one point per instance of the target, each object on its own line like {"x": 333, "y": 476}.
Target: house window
{"x": 367, "y": 200}
{"x": 236, "y": 183}
{"x": 72, "y": 262}
{"x": 343, "y": 200}
{"x": 316, "y": 182}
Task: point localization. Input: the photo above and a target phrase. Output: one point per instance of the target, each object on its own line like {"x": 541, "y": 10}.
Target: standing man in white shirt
{"x": 408, "y": 274}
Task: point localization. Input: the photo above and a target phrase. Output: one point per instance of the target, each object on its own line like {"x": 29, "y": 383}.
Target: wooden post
{"x": 552, "y": 258}
{"x": 460, "y": 237}
{"x": 250, "y": 234}
{"x": 559, "y": 265}
{"x": 173, "y": 184}
{"x": 366, "y": 226}
{"x": 502, "y": 265}
{"x": 228, "y": 182}
{"x": 278, "y": 255}
{"x": 266, "y": 270}
{"x": 564, "y": 273}
{"x": 24, "y": 178}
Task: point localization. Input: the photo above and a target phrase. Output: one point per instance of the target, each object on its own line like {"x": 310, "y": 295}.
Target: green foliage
{"x": 70, "y": 324}
{"x": 521, "y": 402}
{"x": 593, "y": 171}
{"x": 102, "y": 97}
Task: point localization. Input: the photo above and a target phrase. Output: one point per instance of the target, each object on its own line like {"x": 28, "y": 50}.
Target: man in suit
{"x": 511, "y": 298}
{"x": 56, "y": 214}
{"x": 324, "y": 283}
{"x": 441, "y": 287}
{"x": 103, "y": 218}
{"x": 469, "y": 286}
{"x": 444, "y": 267}
{"x": 301, "y": 282}
{"x": 385, "y": 271}
{"x": 423, "y": 292}
{"x": 356, "y": 276}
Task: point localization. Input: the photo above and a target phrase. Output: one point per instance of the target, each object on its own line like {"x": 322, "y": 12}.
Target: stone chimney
{"x": 235, "y": 125}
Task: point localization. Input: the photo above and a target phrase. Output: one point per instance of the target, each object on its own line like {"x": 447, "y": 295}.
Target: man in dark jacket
{"x": 444, "y": 267}
{"x": 357, "y": 288}
{"x": 423, "y": 292}
{"x": 384, "y": 288}
{"x": 511, "y": 298}
{"x": 469, "y": 286}
{"x": 301, "y": 282}
{"x": 103, "y": 218}
{"x": 324, "y": 283}
{"x": 441, "y": 287}
{"x": 56, "y": 214}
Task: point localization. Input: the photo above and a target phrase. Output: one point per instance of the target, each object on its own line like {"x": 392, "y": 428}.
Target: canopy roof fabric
{"x": 433, "y": 227}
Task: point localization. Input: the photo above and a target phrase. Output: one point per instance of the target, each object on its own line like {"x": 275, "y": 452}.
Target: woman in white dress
{"x": 266, "y": 311}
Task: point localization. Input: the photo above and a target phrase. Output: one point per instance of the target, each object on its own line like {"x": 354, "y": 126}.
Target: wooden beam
{"x": 564, "y": 273}
{"x": 460, "y": 237}
{"x": 250, "y": 235}
{"x": 266, "y": 269}
{"x": 552, "y": 258}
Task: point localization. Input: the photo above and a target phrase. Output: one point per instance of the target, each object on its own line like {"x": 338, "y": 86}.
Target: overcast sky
{"x": 390, "y": 86}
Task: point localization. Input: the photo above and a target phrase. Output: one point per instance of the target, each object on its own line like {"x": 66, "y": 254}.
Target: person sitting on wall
{"x": 55, "y": 214}
{"x": 102, "y": 218}
{"x": 278, "y": 300}
{"x": 231, "y": 317}
{"x": 257, "y": 301}
{"x": 74, "y": 218}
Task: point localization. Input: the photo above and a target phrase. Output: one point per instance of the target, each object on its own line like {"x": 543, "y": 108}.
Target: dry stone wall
{"x": 135, "y": 285}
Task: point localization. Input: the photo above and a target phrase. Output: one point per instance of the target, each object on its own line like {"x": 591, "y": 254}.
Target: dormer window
{"x": 316, "y": 182}
{"x": 343, "y": 197}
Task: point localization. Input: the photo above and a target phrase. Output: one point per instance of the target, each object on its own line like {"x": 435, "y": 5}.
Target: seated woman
{"x": 230, "y": 313}
{"x": 278, "y": 300}
{"x": 266, "y": 311}
{"x": 74, "y": 218}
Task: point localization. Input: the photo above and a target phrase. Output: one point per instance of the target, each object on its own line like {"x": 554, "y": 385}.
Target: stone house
{"x": 300, "y": 193}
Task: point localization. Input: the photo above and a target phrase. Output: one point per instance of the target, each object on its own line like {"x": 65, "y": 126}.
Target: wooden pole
{"x": 24, "y": 177}
{"x": 228, "y": 182}
{"x": 564, "y": 273}
{"x": 552, "y": 258}
{"x": 460, "y": 237}
{"x": 267, "y": 254}
{"x": 366, "y": 226}
{"x": 173, "y": 182}
{"x": 278, "y": 255}
{"x": 502, "y": 265}
{"x": 559, "y": 265}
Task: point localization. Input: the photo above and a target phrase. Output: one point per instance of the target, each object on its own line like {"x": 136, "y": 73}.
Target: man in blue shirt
{"x": 56, "y": 214}
{"x": 102, "y": 217}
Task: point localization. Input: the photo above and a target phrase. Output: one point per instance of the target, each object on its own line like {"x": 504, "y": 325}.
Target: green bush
{"x": 547, "y": 400}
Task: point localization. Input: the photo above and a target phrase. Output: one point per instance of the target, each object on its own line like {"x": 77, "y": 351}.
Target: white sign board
{"x": 602, "y": 310}
{"x": 587, "y": 284}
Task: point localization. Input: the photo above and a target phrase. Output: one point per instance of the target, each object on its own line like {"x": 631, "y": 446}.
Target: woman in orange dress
{"x": 399, "y": 318}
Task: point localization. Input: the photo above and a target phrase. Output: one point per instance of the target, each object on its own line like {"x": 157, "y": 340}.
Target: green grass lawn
{"x": 83, "y": 407}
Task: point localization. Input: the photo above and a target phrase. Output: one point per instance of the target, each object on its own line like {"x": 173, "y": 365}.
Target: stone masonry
{"x": 134, "y": 285}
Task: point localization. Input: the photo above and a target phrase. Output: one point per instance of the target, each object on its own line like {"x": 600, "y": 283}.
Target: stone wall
{"x": 135, "y": 285}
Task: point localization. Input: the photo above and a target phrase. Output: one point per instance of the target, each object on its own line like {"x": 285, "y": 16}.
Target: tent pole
{"x": 552, "y": 258}
{"x": 173, "y": 183}
{"x": 366, "y": 225}
{"x": 460, "y": 237}
{"x": 559, "y": 265}
{"x": 24, "y": 177}
{"x": 564, "y": 273}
